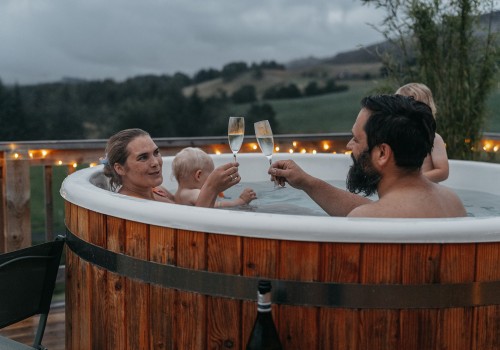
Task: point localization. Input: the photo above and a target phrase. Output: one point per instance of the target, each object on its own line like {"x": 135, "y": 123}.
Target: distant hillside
{"x": 298, "y": 75}
{"x": 358, "y": 64}
{"x": 362, "y": 55}
{"x": 368, "y": 54}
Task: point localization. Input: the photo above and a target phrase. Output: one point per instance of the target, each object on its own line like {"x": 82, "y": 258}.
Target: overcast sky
{"x": 45, "y": 40}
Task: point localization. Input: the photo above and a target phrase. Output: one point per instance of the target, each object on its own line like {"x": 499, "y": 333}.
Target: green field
{"x": 328, "y": 113}
{"x": 337, "y": 112}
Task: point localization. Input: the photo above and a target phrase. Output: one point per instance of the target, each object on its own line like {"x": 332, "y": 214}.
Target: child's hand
{"x": 248, "y": 195}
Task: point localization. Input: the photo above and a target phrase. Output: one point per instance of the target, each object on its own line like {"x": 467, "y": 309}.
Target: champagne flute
{"x": 264, "y": 136}
{"x": 236, "y": 133}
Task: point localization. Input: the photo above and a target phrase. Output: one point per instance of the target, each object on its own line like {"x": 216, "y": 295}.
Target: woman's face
{"x": 142, "y": 169}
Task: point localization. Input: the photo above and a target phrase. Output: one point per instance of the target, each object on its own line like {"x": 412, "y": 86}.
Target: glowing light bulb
{"x": 254, "y": 146}
{"x": 277, "y": 148}
{"x": 326, "y": 146}
{"x": 44, "y": 152}
{"x": 314, "y": 151}
{"x": 217, "y": 151}
{"x": 290, "y": 150}
{"x": 59, "y": 162}
{"x": 303, "y": 150}
{"x": 75, "y": 165}
{"x": 294, "y": 143}
{"x": 16, "y": 155}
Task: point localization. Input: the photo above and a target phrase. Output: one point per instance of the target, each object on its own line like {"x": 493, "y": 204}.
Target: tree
{"x": 282, "y": 92}
{"x": 331, "y": 86}
{"x": 261, "y": 112}
{"x": 181, "y": 79}
{"x": 232, "y": 70}
{"x": 449, "y": 46}
{"x": 205, "y": 75}
{"x": 312, "y": 89}
{"x": 245, "y": 94}
{"x": 65, "y": 121}
{"x": 11, "y": 114}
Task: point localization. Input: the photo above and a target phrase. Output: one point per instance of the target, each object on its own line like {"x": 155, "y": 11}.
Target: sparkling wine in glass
{"x": 264, "y": 136}
{"x": 236, "y": 133}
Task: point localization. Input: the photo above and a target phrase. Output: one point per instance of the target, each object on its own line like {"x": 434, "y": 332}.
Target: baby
{"x": 191, "y": 167}
{"x": 435, "y": 166}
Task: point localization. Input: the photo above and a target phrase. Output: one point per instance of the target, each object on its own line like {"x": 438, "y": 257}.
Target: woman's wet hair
{"x": 116, "y": 152}
{"x": 403, "y": 123}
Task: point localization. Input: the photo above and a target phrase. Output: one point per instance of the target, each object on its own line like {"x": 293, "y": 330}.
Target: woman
{"x": 134, "y": 165}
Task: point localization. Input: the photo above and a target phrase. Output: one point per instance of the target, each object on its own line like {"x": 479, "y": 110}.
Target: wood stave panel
{"x": 190, "y": 313}
{"x": 224, "y": 255}
{"x": 486, "y": 319}
{"x": 260, "y": 259}
{"x": 419, "y": 327}
{"x": 339, "y": 327}
{"x": 115, "y": 289}
{"x": 379, "y": 329}
{"x": 69, "y": 289}
{"x": 97, "y": 226}
{"x": 162, "y": 251}
{"x": 455, "y": 324}
{"x": 254, "y": 257}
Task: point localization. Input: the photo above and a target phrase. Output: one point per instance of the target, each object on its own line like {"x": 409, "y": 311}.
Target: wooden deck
{"x": 53, "y": 338}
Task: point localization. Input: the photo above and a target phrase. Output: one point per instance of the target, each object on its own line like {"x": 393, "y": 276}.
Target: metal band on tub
{"x": 321, "y": 294}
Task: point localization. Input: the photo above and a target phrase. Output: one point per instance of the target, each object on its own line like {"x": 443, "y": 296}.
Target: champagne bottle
{"x": 264, "y": 335}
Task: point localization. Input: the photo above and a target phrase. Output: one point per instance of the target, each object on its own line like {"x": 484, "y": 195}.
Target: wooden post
{"x": 16, "y": 207}
{"x": 49, "y": 203}
{"x": 2, "y": 200}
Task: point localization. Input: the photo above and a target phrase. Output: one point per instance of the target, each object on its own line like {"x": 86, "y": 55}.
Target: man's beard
{"x": 362, "y": 176}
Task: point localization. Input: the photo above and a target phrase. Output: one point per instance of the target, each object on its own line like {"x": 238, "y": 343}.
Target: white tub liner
{"x": 477, "y": 176}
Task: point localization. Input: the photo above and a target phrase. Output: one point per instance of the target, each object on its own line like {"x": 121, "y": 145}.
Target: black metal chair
{"x": 27, "y": 280}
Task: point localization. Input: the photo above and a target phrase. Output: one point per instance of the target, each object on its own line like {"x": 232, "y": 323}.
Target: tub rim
{"x": 77, "y": 189}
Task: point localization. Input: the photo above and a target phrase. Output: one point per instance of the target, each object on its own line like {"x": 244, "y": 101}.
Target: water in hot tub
{"x": 291, "y": 201}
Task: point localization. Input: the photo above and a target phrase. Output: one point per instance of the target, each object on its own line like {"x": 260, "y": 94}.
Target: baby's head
{"x": 190, "y": 160}
{"x": 419, "y": 92}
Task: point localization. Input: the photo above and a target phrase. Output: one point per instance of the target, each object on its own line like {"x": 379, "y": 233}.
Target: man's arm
{"x": 333, "y": 200}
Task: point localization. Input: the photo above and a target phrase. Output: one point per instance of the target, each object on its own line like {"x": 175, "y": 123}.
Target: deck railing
{"x": 18, "y": 157}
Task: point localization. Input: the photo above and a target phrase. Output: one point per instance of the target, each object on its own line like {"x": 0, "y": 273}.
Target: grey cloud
{"x": 47, "y": 39}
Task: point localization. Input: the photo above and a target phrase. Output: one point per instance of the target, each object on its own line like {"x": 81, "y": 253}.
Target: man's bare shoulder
{"x": 436, "y": 203}
{"x": 452, "y": 202}
{"x": 370, "y": 210}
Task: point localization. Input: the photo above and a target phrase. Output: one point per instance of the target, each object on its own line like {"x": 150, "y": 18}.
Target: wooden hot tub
{"x": 148, "y": 275}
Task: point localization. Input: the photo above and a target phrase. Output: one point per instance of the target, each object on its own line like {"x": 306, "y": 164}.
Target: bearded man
{"x": 391, "y": 137}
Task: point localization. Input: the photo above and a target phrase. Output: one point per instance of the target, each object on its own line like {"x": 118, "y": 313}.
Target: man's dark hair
{"x": 404, "y": 124}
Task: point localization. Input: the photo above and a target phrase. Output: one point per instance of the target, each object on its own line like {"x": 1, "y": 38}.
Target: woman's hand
{"x": 219, "y": 180}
